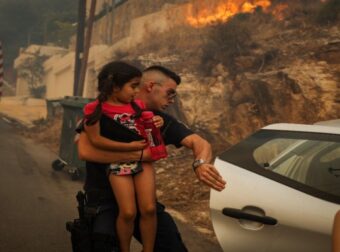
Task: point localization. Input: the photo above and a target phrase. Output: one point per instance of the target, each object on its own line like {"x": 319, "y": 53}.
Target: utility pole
{"x": 86, "y": 49}
{"x": 79, "y": 43}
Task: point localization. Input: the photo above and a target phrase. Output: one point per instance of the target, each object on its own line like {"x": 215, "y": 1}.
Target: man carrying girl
{"x": 133, "y": 183}
{"x": 157, "y": 90}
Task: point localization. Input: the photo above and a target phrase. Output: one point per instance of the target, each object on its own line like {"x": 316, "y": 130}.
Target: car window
{"x": 307, "y": 161}
{"x": 314, "y": 163}
{"x": 272, "y": 149}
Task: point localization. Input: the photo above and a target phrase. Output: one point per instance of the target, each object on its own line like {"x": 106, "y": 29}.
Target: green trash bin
{"x": 68, "y": 154}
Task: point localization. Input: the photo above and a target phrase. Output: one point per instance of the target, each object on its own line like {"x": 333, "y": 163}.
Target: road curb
{"x": 15, "y": 121}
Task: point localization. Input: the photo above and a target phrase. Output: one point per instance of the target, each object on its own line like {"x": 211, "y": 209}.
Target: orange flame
{"x": 226, "y": 9}
{"x": 278, "y": 12}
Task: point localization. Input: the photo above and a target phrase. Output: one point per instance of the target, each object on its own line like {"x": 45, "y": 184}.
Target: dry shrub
{"x": 227, "y": 41}
{"x": 180, "y": 40}
{"x": 303, "y": 12}
{"x": 329, "y": 12}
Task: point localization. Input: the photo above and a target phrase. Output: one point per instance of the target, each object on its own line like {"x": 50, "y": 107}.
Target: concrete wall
{"x": 169, "y": 17}
{"x": 22, "y": 87}
{"x": 90, "y": 85}
{"x": 128, "y": 32}
{"x": 139, "y": 31}
{"x": 59, "y": 76}
{"x": 116, "y": 24}
{"x": 59, "y": 71}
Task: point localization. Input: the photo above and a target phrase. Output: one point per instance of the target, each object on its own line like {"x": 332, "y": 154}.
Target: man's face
{"x": 162, "y": 94}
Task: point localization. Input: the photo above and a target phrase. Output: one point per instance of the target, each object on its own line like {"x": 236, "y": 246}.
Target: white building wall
{"x": 22, "y": 88}
{"x": 50, "y": 80}
{"x": 99, "y": 55}
{"x": 59, "y": 76}
{"x": 90, "y": 87}
{"x": 63, "y": 82}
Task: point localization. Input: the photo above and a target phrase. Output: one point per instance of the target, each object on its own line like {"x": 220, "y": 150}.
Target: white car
{"x": 283, "y": 190}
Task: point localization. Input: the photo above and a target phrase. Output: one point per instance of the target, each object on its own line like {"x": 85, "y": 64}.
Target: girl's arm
{"x": 100, "y": 142}
{"x": 88, "y": 152}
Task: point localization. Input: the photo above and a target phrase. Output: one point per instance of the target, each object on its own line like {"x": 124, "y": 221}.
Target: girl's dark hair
{"x": 113, "y": 74}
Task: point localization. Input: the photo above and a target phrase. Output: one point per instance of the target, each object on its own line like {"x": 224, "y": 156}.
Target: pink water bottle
{"x": 154, "y": 137}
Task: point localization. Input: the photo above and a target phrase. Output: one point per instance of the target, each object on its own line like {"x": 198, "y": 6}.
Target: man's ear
{"x": 149, "y": 86}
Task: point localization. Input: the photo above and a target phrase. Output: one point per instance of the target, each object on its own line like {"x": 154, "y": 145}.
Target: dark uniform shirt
{"x": 97, "y": 184}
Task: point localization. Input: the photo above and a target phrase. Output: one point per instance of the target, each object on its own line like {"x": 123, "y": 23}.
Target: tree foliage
{"x": 32, "y": 70}
{"x": 23, "y": 22}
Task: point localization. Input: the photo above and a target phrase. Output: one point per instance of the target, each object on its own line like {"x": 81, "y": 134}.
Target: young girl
{"x": 134, "y": 181}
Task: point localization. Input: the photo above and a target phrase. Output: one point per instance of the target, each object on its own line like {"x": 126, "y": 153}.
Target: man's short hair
{"x": 167, "y": 72}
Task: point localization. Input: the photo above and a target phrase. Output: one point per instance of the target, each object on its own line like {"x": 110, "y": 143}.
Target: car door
{"x": 283, "y": 190}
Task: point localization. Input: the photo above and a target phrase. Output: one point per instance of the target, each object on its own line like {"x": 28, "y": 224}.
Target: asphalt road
{"x": 37, "y": 201}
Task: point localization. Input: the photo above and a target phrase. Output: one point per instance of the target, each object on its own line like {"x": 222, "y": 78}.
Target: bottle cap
{"x": 147, "y": 115}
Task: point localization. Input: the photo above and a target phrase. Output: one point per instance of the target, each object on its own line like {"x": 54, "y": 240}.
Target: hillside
{"x": 252, "y": 70}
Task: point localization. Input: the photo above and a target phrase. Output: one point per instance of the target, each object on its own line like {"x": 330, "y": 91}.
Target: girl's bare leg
{"x": 123, "y": 189}
{"x": 146, "y": 199}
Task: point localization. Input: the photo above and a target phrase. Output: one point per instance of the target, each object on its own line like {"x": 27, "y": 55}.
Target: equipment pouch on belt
{"x": 81, "y": 228}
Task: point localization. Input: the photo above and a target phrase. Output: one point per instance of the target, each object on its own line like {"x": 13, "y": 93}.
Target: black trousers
{"x": 168, "y": 238}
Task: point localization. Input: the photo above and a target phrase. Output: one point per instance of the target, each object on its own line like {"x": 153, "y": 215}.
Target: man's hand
{"x": 158, "y": 121}
{"x": 208, "y": 174}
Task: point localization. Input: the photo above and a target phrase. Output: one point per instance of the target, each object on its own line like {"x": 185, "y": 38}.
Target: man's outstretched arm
{"x": 86, "y": 151}
{"x": 206, "y": 172}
